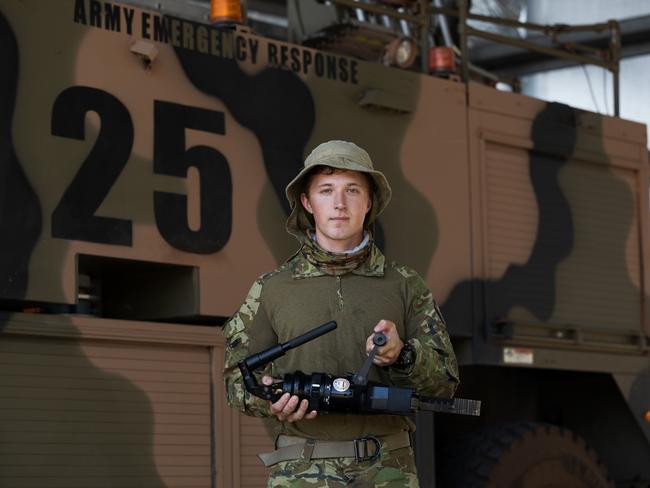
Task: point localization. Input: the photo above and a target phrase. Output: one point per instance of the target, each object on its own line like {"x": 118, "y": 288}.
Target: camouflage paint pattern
{"x": 269, "y": 123}
{"x": 71, "y": 415}
{"x": 527, "y": 220}
{"x": 423, "y": 147}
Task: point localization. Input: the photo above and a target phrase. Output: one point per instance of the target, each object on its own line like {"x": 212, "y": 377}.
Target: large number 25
{"x": 74, "y": 217}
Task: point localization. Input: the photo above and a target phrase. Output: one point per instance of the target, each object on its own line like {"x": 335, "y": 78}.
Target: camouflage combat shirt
{"x": 299, "y": 296}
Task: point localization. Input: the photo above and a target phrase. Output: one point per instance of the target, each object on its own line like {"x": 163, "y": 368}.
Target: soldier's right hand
{"x": 289, "y": 408}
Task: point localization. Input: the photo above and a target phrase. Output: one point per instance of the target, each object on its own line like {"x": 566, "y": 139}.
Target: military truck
{"x": 143, "y": 160}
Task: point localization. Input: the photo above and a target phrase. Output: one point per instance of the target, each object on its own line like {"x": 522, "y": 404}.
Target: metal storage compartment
{"x": 89, "y": 402}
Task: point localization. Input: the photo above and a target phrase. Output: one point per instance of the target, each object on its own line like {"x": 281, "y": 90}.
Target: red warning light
{"x": 442, "y": 60}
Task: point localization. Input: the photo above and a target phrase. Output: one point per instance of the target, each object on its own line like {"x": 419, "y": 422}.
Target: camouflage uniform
{"x": 392, "y": 470}
{"x": 357, "y": 290}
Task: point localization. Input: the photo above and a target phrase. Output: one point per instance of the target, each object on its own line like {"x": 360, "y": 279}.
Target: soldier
{"x": 340, "y": 274}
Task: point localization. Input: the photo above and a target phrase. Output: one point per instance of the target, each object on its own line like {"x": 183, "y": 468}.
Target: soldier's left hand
{"x": 387, "y": 354}
{"x": 288, "y": 408}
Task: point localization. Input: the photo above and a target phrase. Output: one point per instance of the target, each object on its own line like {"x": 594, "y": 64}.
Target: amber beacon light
{"x": 226, "y": 12}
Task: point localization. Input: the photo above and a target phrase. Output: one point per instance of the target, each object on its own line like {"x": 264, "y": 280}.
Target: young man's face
{"x": 339, "y": 203}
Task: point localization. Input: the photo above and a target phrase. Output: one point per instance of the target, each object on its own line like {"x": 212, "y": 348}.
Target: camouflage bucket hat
{"x": 340, "y": 155}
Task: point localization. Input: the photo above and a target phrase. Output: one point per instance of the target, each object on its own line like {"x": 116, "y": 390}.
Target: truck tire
{"x": 522, "y": 455}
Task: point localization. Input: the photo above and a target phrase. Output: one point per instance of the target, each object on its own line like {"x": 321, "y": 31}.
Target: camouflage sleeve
{"x": 237, "y": 332}
{"x": 435, "y": 371}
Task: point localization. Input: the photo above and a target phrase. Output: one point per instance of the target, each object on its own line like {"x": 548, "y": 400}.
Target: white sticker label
{"x": 517, "y": 355}
{"x": 341, "y": 384}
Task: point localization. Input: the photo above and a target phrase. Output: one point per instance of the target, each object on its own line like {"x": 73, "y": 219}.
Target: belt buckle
{"x": 365, "y": 457}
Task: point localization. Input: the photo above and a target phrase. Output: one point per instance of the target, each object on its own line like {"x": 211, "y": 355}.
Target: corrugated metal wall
{"x": 88, "y": 402}
{"x": 254, "y": 438}
{"x": 595, "y": 281}
{"x": 98, "y": 413}
{"x": 511, "y": 208}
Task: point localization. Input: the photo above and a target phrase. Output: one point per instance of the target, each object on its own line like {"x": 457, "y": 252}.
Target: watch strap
{"x": 406, "y": 357}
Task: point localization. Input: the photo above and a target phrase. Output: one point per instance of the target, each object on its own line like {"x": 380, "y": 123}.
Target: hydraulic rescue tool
{"x": 352, "y": 393}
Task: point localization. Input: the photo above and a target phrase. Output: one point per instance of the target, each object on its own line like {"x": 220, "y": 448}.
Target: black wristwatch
{"x": 406, "y": 357}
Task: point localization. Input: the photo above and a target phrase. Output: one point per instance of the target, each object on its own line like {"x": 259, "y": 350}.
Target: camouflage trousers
{"x": 394, "y": 469}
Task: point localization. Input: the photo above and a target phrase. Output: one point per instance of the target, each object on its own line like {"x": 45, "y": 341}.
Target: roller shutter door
{"x": 100, "y": 413}
{"x": 254, "y": 438}
{"x": 589, "y": 225}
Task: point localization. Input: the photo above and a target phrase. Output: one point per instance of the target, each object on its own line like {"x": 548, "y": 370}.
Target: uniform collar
{"x": 373, "y": 266}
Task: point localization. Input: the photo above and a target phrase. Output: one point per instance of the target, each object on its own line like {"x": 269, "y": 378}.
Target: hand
{"x": 288, "y": 408}
{"x": 388, "y": 353}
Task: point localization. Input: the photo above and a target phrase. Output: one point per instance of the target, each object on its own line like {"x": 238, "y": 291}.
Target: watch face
{"x": 406, "y": 356}
{"x": 409, "y": 356}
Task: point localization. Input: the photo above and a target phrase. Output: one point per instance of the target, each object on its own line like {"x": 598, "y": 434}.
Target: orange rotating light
{"x": 226, "y": 11}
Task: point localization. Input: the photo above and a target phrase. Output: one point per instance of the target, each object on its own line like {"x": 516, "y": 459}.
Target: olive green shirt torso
{"x": 292, "y": 307}
{"x": 299, "y": 296}
{"x": 294, "y": 301}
